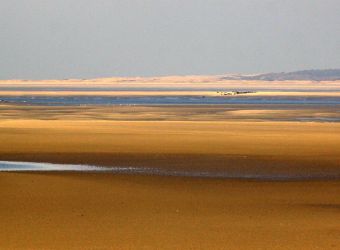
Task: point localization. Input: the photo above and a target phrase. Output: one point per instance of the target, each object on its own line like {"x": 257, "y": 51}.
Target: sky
{"x": 48, "y": 39}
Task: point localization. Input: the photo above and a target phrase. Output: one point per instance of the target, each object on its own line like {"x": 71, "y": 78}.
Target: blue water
{"x": 11, "y": 166}
{"x": 16, "y": 166}
{"x": 164, "y": 100}
{"x": 144, "y": 88}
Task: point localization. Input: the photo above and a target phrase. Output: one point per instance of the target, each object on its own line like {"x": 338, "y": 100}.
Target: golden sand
{"x": 104, "y": 211}
{"x": 99, "y": 211}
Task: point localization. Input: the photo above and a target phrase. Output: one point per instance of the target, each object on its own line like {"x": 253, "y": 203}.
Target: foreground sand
{"x": 103, "y": 211}
{"x": 99, "y": 211}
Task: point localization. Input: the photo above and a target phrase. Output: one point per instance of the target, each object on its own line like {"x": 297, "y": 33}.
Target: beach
{"x": 256, "y": 177}
{"x": 103, "y": 211}
{"x": 87, "y": 211}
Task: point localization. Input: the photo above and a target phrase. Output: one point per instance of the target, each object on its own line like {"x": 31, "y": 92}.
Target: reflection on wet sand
{"x": 222, "y": 173}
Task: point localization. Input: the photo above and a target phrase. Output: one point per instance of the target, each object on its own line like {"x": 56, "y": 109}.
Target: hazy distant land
{"x": 303, "y": 75}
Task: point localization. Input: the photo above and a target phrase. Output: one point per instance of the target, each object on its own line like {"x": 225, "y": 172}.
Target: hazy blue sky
{"x": 42, "y": 39}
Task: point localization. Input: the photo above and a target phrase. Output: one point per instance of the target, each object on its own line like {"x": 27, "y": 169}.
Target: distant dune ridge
{"x": 304, "y": 75}
{"x": 312, "y": 75}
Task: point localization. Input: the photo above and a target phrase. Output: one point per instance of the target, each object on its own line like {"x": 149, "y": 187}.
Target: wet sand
{"x": 263, "y": 146}
{"x": 226, "y": 112}
{"x": 87, "y": 211}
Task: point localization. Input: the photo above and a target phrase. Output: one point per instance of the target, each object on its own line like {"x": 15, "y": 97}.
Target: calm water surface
{"x": 165, "y": 100}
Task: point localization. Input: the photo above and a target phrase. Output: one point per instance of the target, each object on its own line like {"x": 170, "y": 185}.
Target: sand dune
{"x": 207, "y": 82}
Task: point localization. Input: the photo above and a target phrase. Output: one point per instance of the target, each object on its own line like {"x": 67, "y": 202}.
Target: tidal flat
{"x": 105, "y": 210}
